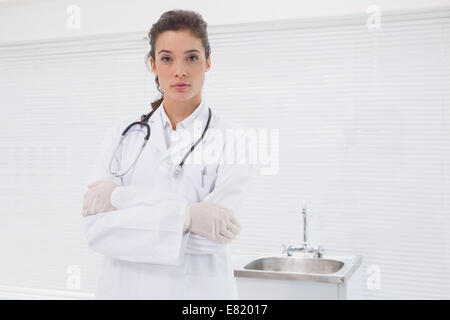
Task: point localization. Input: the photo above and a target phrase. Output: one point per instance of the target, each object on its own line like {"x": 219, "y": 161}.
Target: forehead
{"x": 180, "y": 40}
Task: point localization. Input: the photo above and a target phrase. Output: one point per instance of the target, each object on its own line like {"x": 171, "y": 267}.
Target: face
{"x": 180, "y": 57}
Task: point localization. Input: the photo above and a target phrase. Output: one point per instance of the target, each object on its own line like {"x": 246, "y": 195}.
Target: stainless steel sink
{"x": 288, "y": 264}
{"x": 299, "y": 267}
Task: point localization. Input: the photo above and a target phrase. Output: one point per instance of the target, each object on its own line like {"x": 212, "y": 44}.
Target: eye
{"x": 162, "y": 59}
{"x": 196, "y": 58}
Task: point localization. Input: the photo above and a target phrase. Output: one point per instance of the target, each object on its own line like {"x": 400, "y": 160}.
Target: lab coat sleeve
{"x": 149, "y": 231}
{"x": 130, "y": 196}
{"x": 234, "y": 176}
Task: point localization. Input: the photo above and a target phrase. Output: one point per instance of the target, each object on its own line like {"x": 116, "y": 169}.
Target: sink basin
{"x": 298, "y": 267}
{"x": 303, "y": 265}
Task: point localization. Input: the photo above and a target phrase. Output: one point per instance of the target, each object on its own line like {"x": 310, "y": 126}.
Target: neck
{"x": 177, "y": 111}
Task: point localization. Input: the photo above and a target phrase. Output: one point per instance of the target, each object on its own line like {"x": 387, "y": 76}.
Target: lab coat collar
{"x": 186, "y": 122}
{"x": 195, "y": 123}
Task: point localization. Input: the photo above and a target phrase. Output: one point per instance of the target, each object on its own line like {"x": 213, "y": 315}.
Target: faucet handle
{"x": 288, "y": 249}
{"x": 319, "y": 251}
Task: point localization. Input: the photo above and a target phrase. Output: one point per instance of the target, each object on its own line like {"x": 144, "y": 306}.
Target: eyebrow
{"x": 188, "y": 51}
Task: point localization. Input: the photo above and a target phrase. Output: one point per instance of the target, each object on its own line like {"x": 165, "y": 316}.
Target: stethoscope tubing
{"x": 144, "y": 122}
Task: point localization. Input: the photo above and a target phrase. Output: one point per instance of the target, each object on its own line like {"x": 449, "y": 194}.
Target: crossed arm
{"x": 147, "y": 225}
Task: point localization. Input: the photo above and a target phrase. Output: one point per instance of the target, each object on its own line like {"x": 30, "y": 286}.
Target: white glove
{"x": 213, "y": 221}
{"x": 97, "y": 198}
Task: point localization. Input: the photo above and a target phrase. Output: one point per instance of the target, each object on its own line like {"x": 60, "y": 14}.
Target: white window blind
{"x": 363, "y": 119}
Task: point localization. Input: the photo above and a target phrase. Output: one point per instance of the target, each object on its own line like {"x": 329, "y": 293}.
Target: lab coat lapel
{"x": 157, "y": 134}
{"x": 195, "y": 130}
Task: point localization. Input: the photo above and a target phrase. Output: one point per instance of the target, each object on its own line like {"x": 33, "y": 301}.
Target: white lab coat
{"x": 146, "y": 253}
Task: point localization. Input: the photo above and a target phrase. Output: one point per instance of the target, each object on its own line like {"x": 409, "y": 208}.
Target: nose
{"x": 180, "y": 70}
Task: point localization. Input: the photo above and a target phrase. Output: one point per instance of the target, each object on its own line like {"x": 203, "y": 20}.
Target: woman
{"x": 166, "y": 235}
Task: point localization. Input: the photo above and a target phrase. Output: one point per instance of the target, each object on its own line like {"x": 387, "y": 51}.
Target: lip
{"x": 181, "y": 86}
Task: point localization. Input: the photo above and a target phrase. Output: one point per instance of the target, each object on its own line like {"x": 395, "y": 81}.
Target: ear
{"x": 152, "y": 64}
{"x": 208, "y": 63}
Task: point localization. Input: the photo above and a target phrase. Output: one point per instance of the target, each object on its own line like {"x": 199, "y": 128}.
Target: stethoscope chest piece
{"x": 176, "y": 170}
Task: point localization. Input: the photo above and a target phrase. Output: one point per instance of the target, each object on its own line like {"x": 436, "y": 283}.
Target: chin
{"x": 181, "y": 96}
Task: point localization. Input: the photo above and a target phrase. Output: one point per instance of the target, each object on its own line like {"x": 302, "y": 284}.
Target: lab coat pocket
{"x": 108, "y": 282}
{"x": 211, "y": 264}
{"x": 209, "y": 276}
{"x": 201, "y": 178}
{"x": 208, "y": 179}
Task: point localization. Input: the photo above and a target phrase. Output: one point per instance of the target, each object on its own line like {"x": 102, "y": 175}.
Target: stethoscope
{"x": 144, "y": 122}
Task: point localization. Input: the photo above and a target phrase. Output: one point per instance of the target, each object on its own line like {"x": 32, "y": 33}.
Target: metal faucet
{"x": 318, "y": 252}
{"x": 305, "y": 246}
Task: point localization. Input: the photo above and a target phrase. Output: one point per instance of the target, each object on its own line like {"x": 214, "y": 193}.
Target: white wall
{"x": 22, "y": 20}
{"x": 342, "y": 186}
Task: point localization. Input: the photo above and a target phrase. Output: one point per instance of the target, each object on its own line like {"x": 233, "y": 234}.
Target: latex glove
{"x": 213, "y": 221}
{"x": 97, "y": 198}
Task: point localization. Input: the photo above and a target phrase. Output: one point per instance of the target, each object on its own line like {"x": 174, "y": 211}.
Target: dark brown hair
{"x": 176, "y": 20}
